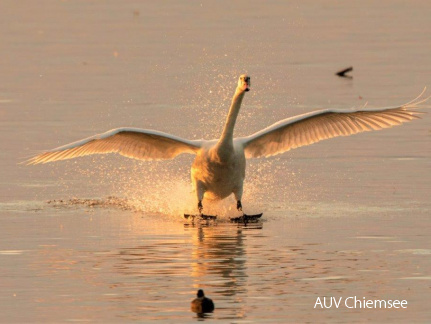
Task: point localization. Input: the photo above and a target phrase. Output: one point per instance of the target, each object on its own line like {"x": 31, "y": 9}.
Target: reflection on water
{"x": 219, "y": 261}
{"x": 219, "y": 254}
{"x": 110, "y": 265}
{"x": 208, "y": 256}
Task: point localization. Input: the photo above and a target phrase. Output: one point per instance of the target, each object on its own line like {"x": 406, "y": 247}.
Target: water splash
{"x": 164, "y": 186}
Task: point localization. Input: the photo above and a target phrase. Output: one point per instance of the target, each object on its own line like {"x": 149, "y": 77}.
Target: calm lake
{"x": 102, "y": 238}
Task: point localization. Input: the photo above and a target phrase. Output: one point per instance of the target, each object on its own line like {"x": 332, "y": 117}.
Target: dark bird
{"x": 342, "y": 73}
{"x": 202, "y": 304}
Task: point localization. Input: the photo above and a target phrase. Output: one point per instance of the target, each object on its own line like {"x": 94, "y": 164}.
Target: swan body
{"x": 218, "y": 176}
{"x": 219, "y": 166}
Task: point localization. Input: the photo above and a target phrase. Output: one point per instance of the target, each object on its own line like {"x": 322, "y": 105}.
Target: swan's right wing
{"x": 130, "y": 142}
{"x": 316, "y": 126}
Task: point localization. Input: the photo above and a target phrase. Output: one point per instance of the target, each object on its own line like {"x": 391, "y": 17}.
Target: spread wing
{"x": 131, "y": 142}
{"x": 316, "y": 126}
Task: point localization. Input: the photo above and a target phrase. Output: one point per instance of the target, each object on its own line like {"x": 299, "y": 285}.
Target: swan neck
{"x": 227, "y": 135}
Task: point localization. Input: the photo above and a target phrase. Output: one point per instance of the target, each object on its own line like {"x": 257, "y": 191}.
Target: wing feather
{"x": 316, "y": 126}
{"x": 130, "y": 142}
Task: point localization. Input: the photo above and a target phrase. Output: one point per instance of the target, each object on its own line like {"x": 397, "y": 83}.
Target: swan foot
{"x": 200, "y": 216}
{"x": 239, "y": 205}
{"x": 200, "y": 207}
{"x": 246, "y": 218}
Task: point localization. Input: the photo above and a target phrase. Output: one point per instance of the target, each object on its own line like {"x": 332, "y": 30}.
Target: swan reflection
{"x": 219, "y": 261}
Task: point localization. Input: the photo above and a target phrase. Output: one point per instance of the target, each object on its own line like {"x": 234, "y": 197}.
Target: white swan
{"x": 219, "y": 167}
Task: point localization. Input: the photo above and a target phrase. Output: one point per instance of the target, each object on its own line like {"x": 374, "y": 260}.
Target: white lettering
{"x": 345, "y": 302}
{"x": 318, "y": 302}
{"x": 380, "y": 303}
{"x": 358, "y": 302}
{"x": 324, "y": 302}
{"x": 339, "y": 301}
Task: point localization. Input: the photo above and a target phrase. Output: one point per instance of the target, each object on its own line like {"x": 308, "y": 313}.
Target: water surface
{"x": 345, "y": 217}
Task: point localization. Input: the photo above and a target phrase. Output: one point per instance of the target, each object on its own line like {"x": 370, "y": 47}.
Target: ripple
{"x": 325, "y": 278}
{"x": 11, "y": 252}
{"x": 415, "y": 251}
{"x": 375, "y": 237}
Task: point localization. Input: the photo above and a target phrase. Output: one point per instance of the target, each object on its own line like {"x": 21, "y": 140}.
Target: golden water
{"x": 344, "y": 217}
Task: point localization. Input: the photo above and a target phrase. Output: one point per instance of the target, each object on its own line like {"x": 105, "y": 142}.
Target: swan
{"x": 219, "y": 167}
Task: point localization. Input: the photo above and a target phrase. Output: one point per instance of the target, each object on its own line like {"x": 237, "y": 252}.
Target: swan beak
{"x": 247, "y": 82}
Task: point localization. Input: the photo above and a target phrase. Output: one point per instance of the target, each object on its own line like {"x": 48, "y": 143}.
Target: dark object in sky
{"x": 342, "y": 73}
{"x": 202, "y": 304}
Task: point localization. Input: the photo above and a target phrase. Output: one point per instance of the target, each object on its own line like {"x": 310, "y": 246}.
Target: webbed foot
{"x": 239, "y": 205}
{"x": 246, "y": 218}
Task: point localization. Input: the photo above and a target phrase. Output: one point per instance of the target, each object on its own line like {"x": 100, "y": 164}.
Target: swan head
{"x": 244, "y": 82}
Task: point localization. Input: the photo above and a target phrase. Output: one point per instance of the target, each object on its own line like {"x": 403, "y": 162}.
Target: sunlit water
{"x": 103, "y": 238}
{"x": 69, "y": 263}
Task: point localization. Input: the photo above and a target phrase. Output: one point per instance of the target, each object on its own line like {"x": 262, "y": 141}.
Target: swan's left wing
{"x": 316, "y": 126}
{"x": 135, "y": 143}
